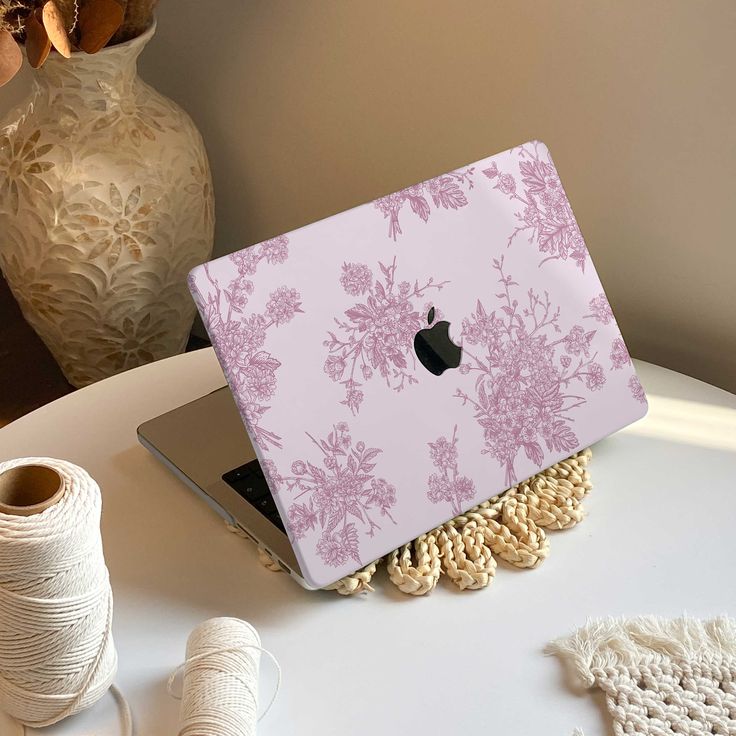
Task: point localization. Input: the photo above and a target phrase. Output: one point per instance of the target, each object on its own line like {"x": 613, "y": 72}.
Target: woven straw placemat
{"x": 510, "y": 526}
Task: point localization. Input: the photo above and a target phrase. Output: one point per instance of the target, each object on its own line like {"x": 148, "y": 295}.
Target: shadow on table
{"x": 162, "y": 539}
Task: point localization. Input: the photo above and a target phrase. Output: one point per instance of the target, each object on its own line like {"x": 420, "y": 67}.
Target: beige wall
{"x": 310, "y": 107}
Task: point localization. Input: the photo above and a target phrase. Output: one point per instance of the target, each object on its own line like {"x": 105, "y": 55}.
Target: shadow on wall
{"x": 310, "y": 108}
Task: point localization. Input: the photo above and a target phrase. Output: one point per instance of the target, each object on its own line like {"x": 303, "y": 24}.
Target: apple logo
{"x": 434, "y": 348}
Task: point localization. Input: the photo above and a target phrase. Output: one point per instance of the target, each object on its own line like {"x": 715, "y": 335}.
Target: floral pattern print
{"x": 131, "y": 121}
{"x": 536, "y": 380}
{"x": 448, "y": 485}
{"x": 22, "y": 168}
{"x": 600, "y": 310}
{"x": 129, "y": 343}
{"x": 637, "y": 390}
{"x": 620, "y": 357}
{"x": 378, "y": 334}
{"x": 119, "y": 225}
{"x": 526, "y": 370}
{"x": 200, "y": 187}
{"x": 447, "y": 192}
{"x": 239, "y": 338}
{"x": 105, "y": 206}
{"x": 544, "y": 214}
{"x": 337, "y": 496}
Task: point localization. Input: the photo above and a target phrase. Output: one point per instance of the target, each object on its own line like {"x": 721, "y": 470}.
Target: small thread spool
{"x": 220, "y": 688}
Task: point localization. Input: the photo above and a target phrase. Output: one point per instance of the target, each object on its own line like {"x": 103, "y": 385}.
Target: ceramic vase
{"x": 105, "y": 204}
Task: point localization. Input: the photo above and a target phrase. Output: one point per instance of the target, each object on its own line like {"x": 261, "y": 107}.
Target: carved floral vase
{"x": 105, "y": 204}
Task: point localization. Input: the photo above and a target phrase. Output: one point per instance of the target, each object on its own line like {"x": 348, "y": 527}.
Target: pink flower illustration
{"x": 577, "y": 341}
{"x": 339, "y": 495}
{"x": 619, "y": 354}
{"x": 276, "y": 250}
{"x": 261, "y": 382}
{"x": 637, "y": 390}
{"x": 239, "y": 339}
{"x": 444, "y": 192}
{"x": 254, "y": 331}
{"x": 283, "y": 304}
{"x": 507, "y": 184}
{"x": 448, "y": 485}
{"x": 356, "y": 278}
{"x": 545, "y": 215}
{"x": 378, "y": 334}
{"x": 523, "y": 383}
{"x": 600, "y": 309}
{"x": 238, "y": 290}
{"x": 335, "y": 367}
{"x": 272, "y": 474}
{"x": 595, "y": 377}
{"x": 443, "y": 452}
{"x": 382, "y": 495}
{"x": 492, "y": 171}
{"x": 247, "y": 260}
{"x": 232, "y": 341}
{"x": 301, "y": 518}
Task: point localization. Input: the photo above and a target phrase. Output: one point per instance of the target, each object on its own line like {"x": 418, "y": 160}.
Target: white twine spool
{"x": 220, "y": 690}
{"x": 57, "y": 655}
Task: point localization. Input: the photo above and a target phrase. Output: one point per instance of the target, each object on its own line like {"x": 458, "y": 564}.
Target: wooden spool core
{"x": 29, "y": 489}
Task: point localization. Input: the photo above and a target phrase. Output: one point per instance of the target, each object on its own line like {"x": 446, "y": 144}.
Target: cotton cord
{"x": 57, "y": 655}
{"x": 220, "y": 684}
{"x": 660, "y": 676}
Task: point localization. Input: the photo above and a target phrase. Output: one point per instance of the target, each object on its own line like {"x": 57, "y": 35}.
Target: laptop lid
{"x": 402, "y": 361}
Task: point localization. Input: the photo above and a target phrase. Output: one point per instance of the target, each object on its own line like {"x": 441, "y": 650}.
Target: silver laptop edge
{"x": 201, "y": 441}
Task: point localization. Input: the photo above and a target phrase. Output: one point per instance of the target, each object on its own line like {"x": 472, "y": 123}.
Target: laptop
{"x": 396, "y": 364}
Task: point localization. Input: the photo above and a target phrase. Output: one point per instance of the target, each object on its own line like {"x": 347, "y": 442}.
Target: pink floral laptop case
{"x": 318, "y": 331}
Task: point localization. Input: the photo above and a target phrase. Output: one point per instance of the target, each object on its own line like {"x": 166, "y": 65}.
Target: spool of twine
{"x": 57, "y": 655}
{"x": 220, "y": 688}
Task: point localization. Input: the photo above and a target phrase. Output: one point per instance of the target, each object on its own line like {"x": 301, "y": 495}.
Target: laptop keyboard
{"x": 249, "y": 482}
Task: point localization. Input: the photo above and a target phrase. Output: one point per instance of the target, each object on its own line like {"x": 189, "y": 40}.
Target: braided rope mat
{"x": 510, "y": 526}
{"x": 660, "y": 677}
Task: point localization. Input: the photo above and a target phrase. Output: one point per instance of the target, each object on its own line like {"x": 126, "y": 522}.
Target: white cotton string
{"x": 57, "y": 655}
{"x": 220, "y": 685}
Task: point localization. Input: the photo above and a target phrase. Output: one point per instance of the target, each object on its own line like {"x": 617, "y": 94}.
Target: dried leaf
{"x": 10, "y": 57}
{"x": 98, "y": 21}
{"x": 53, "y": 22}
{"x": 38, "y": 43}
{"x": 138, "y": 18}
{"x": 69, "y": 10}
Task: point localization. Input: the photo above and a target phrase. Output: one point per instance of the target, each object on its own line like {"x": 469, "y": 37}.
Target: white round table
{"x": 659, "y": 538}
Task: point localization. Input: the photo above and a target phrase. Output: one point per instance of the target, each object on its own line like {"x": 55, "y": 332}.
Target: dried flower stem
{"x": 13, "y": 14}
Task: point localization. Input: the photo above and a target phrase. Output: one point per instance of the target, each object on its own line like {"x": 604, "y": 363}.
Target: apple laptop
{"x": 398, "y": 363}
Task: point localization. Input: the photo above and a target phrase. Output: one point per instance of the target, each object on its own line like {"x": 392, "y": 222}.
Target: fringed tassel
{"x": 659, "y": 676}
{"x": 511, "y": 526}
{"x": 607, "y": 644}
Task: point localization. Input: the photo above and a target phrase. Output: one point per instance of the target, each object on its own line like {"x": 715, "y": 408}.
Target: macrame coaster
{"x": 660, "y": 677}
{"x": 510, "y": 526}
